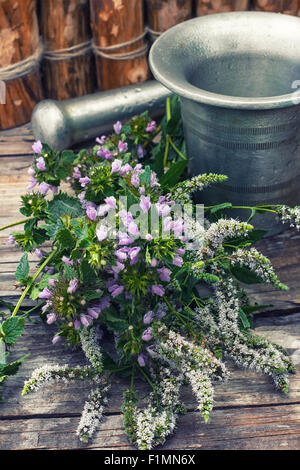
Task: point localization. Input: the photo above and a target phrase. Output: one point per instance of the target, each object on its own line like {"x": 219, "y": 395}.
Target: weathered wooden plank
{"x": 267, "y": 428}
{"x": 244, "y": 388}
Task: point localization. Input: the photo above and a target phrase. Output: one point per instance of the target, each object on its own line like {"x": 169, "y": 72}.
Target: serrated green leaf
{"x": 12, "y": 328}
{"x": 63, "y": 204}
{"x": 65, "y": 238}
{"x": 23, "y": 268}
{"x": 87, "y": 273}
{"x": 70, "y": 273}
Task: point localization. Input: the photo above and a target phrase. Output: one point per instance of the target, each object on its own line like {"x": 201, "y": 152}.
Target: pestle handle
{"x": 62, "y": 124}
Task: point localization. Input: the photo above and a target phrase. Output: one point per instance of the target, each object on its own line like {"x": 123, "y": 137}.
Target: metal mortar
{"x": 237, "y": 75}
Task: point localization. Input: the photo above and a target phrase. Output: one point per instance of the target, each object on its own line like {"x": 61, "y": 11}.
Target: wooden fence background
{"x": 61, "y": 49}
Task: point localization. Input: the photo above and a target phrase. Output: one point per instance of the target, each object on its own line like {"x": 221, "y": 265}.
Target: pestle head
{"x": 50, "y": 124}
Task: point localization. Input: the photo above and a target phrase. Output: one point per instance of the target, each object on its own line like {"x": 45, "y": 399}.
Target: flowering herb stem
{"x": 14, "y": 224}
{"x": 38, "y": 272}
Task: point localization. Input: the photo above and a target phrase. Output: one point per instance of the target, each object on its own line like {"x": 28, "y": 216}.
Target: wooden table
{"x": 248, "y": 413}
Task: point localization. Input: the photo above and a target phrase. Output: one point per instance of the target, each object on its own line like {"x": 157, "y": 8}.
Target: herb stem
{"x": 20, "y": 222}
{"x": 38, "y": 272}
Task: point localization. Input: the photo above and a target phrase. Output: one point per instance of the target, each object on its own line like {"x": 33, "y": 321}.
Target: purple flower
{"x": 147, "y": 334}
{"x": 37, "y": 147}
{"x": 158, "y": 290}
{"x": 39, "y": 253}
{"x": 33, "y": 183}
{"x": 116, "y": 166}
{"x": 149, "y": 237}
{"x": 118, "y": 268}
{"x": 118, "y": 127}
{"x": 153, "y": 263}
{"x": 121, "y": 254}
{"x": 84, "y": 181}
{"x": 145, "y": 203}
{"x": 56, "y": 339}
{"x": 135, "y": 180}
{"x": 93, "y": 312}
{"x": 101, "y": 140}
{"x": 180, "y": 251}
{"x": 76, "y": 173}
{"x": 142, "y": 360}
{"x": 163, "y": 209}
{"x": 73, "y": 286}
{"x": 10, "y": 240}
{"x": 91, "y": 212}
{"x": 133, "y": 229}
{"x": 77, "y": 324}
{"x": 67, "y": 261}
{"x": 54, "y": 189}
{"x": 133, "y": 252}
{"x": 111, "y": 202}
{"x": 31, "y": 171}
{"x": 51, "y": 318}
{"x": 151, "y": 126}
{"x": 154, "y": 180}
{"x": 49, "y": 269}
{"x": 148, "y": 317}
{"x": 125, "y": 169}
{"x": 117, "y": 290}
{"x": 86, "y": 320}
{"x": 40, "y": 163}
{"x": 126, "y": 217}
{"x": 52, "y": 282}
{"x": 164, "y": 274}
{"x": 141, "y": 151}
{"x": 122, "y": 146}
{"x": 101, "y": 233}
{"x": 45, "y": 294}
{"x": 105, "y": 153}
{"x": 44, "y": 188}
{"x": 177, "y": 261}
{"x": 124, "y": 239}
{"x": 178, "y": 226}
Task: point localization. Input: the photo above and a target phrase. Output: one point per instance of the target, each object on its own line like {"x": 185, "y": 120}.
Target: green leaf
{"x": 12, "y": 328}
{"x": 67, "y": 158}
{"x": 63, "y": 204}
{"x": 65, "y": 238}
{"x": 173, "y": 174}
{"x": 244, "y": 319}
{"x": 23, "y": 268}
{"x": 13, "y": 367}
{"x": 7, "y": 370}
{"x": 70, "y": 273}
{"x": 87, "y": 273}
{"x": 116, "y": 323}
{"x": 220, "y": 207}
{"x": 246, "y": 276}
